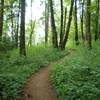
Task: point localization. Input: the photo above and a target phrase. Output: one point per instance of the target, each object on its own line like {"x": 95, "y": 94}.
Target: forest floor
{"x": 39, "y": 86}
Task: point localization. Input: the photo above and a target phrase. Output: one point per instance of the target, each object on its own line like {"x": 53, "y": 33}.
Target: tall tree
{"x": 97, "y": 20}
{"x": 32, "y": 31}
{"x": 65, "y": 18}
{"x": 75, "y": 23}
{"x": 53, "y": 26}
{"x": 32, "y": 25}
{"x": 81, "y": 18}
{"x": 12, "y": 21}
{"x": 65, "y": 37}
{"x": 46, "y": 20}
{"x": 1, "y": 17}
{"x": 22, "y": 29}
{"x": 17, "y": 28}
{"x": 61, "y": 23}
{"x": 88, "y": 23}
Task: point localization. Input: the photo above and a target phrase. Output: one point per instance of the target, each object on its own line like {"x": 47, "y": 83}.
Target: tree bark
{"x": 97, "y": 21}
{"x": 17, "y": 30}
{"x": 53, "y": 26}
{"x": 32, "y": 31}
{"x": 12, "y": 23}
{"x": 17, "y": 26}
{"x": 1, "y": 18}
{"x": 81, "y": 18}
{"x": 88, "y": 23}
{"x": 65, "y": 18}
{"x": 32, "y": 27}
{"x": 22, "y": 30}
{"x": 46, "y": 21}
{"x": 65, "y": 37}
{"x": 75, "y": 23}
{"x": 61, "y": 23}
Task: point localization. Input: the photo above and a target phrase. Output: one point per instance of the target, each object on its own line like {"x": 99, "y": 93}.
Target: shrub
{"x": 78, "y": 77}
{"x": 6, "y": 44}
{"x": 10, "y": 87}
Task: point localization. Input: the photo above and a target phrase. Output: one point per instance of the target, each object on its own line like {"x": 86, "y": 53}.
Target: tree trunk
{"x": 32, "y": 30}
{"x": 97, "y": 20}
{"x": 53, "y": 26}
{"x": 88, "y": 23}
{"x": 65, "y": 37}
{"x": 81, "y": 17}
{"x": 61, "y": 23}
{"x": 12, "y": 24}
{"x": 1, "y": 18}
{"x": 64, "y": 28}
{"x": 32, "y": 27}
{"x": 17, "y": 30}
{"x": 22, "y": 30}
{"x": 46, "y": 21}
{"x": 17, "y": 26}
{"x": 75, "y": 23}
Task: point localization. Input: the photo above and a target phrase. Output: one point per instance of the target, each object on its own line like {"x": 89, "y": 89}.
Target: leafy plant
{"x": 78, "y": 77}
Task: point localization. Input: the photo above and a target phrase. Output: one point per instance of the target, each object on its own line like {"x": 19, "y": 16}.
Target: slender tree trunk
{"x": 53, "y": 26}
{"x": 46, "y": 21}
{"x": 61, "y": 23}
{"x": 30, "y": 39}
{"x": 17, "y": 26}
{"x": 65, "y": 38}
{"x": 81, "y": 17}
{"x": 12, "y": 24}
{"x": 22, "y": 30}
{"x": 65, "y": 18}
{"x": 88, "y": 23}
{"x": 32, "y": 28}
{"x": 17, "y": 30}
{"x": 75, "y": 23}
{"x": 1, "y": 18}
{"x": 97, "y": 20}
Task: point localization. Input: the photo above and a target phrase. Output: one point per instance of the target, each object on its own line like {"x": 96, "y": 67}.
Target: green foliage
{"x": 10, "y": 86}
{"x": 6, "y": 43}
{"x": 78, "y": 77}
{"x": 15, "y": 70}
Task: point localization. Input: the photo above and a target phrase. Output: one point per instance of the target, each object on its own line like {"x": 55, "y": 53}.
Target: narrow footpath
{"x": 39, "y": 86}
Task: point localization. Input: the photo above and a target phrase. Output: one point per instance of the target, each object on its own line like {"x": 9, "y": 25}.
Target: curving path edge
{"x": 39, "y": 86}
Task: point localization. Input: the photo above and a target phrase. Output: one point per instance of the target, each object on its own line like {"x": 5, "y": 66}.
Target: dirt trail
{"x": 39, "y": 86}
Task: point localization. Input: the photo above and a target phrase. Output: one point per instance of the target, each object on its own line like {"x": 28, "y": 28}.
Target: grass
{"x": 15, "y": 70}
{"x": 77, "y": 77}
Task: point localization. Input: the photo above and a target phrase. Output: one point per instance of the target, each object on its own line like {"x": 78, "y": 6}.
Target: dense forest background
{"x": 79, "y": 18}
{"x": 69, "y": 26}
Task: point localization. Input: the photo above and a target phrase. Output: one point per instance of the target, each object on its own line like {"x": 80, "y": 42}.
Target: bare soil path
{"x": 39, "y": 86}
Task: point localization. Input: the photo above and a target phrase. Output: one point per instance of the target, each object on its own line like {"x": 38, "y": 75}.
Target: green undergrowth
{"x": 77, "y": 77}
{"x": 15, "y": 70}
